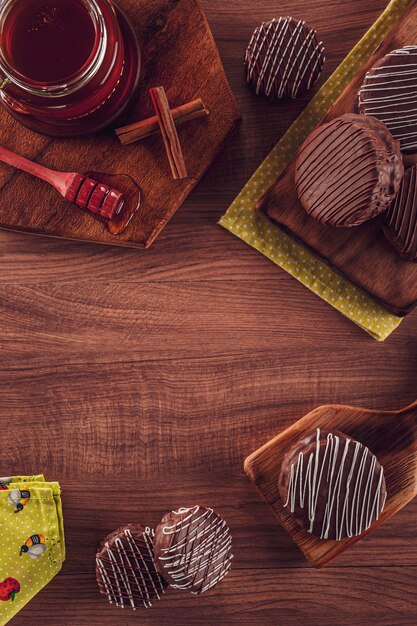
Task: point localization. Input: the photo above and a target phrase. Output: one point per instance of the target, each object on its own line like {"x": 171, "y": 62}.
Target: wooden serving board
{"x": 361, "y": 254}
{"x": 179, "y": 53}
{"x": 391, "y": 436}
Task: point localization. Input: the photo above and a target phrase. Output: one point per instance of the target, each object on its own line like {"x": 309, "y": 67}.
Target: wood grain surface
{"x": 362, "y": 254}
{"x": 158, "y": 372}
{"x": 167, "y": 30}
{"x": 390, "y": 435}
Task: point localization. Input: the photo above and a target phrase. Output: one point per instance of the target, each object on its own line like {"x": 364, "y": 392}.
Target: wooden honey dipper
{"x": 102, "y": 201}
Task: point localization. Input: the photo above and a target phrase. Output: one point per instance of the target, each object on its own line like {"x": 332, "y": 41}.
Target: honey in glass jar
{"x": 67, "y": 67}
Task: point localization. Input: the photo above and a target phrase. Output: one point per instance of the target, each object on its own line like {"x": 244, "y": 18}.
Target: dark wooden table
{"x": 141, "y": 380}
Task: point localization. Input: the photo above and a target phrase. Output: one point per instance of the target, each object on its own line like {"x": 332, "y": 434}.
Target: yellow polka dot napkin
{"x": 32, "y": 540}
{"x": 241, "y": 220}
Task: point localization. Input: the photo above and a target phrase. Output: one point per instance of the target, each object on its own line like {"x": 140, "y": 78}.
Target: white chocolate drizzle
{"x": 353, "y": 502}
{"x": 389, "y": 93}
{"x": 283, "y": 58}
{"x": 199, "y": 554}
{"x": 128, "y": 572}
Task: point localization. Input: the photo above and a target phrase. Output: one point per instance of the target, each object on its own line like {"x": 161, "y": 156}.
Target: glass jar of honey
{"x": 67, "y": 67}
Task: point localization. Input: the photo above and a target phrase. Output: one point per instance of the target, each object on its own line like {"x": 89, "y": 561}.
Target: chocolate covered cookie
{"x": 333, "y": 485}
{"x": 400, "y": 221}
{"x": 125, "y": 568}
{"x": 348, "y": 170}
{"x": 389, "y": 92}
{"x": 193, "y": 548}
{"x": 284, "y": 58}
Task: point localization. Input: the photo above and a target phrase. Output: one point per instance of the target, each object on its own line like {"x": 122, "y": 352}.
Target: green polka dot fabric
{"x": 241, "y": 220}
{"x": 32, "y": 540}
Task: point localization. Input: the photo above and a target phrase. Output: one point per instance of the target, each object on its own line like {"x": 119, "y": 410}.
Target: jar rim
{"x": 72, "y": 83}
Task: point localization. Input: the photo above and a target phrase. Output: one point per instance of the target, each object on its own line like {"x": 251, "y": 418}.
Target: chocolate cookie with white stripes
{"x": 125, "y": 568}
{"x": 333, "y": 485}
{"x": 284, "y": 58}
{"x": 193, "y": 548}
{"x": 389, "y": 92}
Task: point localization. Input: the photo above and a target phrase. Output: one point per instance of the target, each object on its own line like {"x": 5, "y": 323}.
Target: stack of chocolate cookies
{"x": 389, "y": 93}
{"x": 190, "y": 550}
{"x": 351, "y": 169}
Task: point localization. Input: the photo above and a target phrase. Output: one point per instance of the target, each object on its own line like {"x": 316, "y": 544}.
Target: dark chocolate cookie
{"x": 348, "y": 170}
{"x": 400, "y": 221}
{"x": 389, "y": 92}
{"x": 193, "y": 548}
{"x": 284, "y": 58}
{"x": 125, "y": 568}
{"x": 333, "y": 485}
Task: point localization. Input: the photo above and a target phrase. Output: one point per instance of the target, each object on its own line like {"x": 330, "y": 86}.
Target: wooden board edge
{"x": 329, "y": 558}
{"x": 233, "y": 127}
{"x": 307, "y": 557}
{"x": 217, "y": 53}
{"x": 26, "y": 231}
{"x": 398, "y": 312}
{"x": 323, "y": 407}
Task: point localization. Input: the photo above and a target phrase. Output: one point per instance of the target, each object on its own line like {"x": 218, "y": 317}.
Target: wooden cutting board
{"x": 179, "y": 53}
{"x": 361, "y": 254}
{"x": 391, "y": 436}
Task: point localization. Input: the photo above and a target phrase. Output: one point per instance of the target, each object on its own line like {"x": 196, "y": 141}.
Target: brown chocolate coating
{"x": 332, "y": 484}
{"x": 284, "y": 58}
{"x": 400, "y": 221}
{"x": 348, "y": 170}
{"x": 389, "y": 92}
{"x": 193, "y": 548}
{"x": 125, "y": 568}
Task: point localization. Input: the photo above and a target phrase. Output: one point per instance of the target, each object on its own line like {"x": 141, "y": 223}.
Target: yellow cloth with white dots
{"x": 32, "y": 540}
{"x": 242, "y": 221}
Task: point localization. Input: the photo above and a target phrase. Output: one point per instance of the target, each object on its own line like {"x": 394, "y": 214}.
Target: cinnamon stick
{"x": 169, "y": 132}
{"x": 145, "y": 128}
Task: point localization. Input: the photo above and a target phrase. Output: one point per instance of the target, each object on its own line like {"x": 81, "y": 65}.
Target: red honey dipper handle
{"x": 59, "y": 180}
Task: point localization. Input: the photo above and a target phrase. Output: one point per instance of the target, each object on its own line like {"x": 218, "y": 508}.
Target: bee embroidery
{"x": 18, "y": 498}
{"x": 34, "y": 546}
